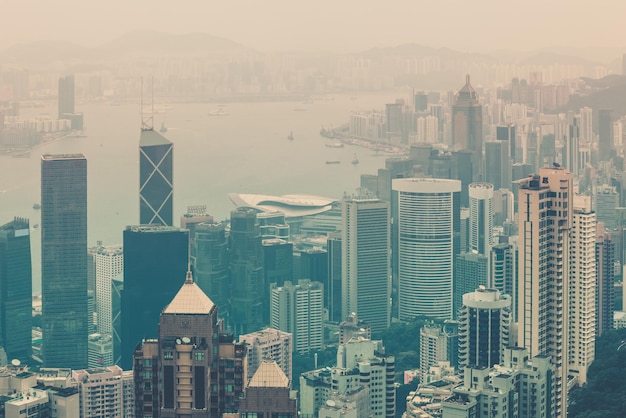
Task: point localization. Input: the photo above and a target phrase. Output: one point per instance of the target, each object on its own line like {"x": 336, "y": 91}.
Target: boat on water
{"x": 290, "y": 136}
{"x": 36, "y": 206}
{"x": 219, "y": 112}
{"x": 335, "y": 145}
{"x": 327, "y": 133}
{"x": 163, "y": 128}
{"x": 355, "y": 160}
{"x": 76, "y": 134}
{"x": 333, "y": 162}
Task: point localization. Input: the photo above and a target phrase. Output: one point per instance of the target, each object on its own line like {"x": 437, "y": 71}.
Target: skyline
{"x": 349, "y": 26}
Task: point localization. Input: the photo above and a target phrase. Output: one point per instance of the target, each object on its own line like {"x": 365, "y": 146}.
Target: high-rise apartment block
{"x": 428, "y": 232}
{"x": 269, "y": 344}
{"x": 155, "y": 261}
{"x": 298, "y": 309}
{"x": 433, "y": 347}
{"x": 105, "y": 392}
{"x": 582, "y": 289}
{"x": 503, "y": 273}
{"x": 107, "y": 263}
{"x": 66, "y": 96}
{"x": 64, "y": 260}
{"x": 605, "y": 290}
{"x": 366, "y": 274}
{"x": 545, "y": 219}
{"x": 156, "y": 179}
{"x": 484, "y": 323}
{"x": 194, "y": 368}
{"x": 481, "y": 217}
{"x": 16, "y": 283}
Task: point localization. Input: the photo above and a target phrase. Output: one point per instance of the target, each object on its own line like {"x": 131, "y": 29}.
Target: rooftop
{"x": 52, "y": 157}
{"x": 190, "y": 300}
{"x": 269, "y": 374}
{"x": 150, "y": 137}
{"x": 293, "y": 205}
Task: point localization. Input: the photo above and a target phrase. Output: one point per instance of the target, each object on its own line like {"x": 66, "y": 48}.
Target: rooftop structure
{"x": 291, "y": 205}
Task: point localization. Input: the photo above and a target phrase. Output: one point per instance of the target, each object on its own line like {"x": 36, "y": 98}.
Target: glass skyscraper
{"x": 156, "y": 181}
{"x": 16, "y": 289}
{"x": 64, "y": 260}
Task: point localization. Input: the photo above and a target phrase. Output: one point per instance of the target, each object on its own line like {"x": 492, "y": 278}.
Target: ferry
{"x": 290, "y": 137}
{"x": 219, "y": 112}
{"x": 333, "y": 162}
{"x": 355, "y": 160}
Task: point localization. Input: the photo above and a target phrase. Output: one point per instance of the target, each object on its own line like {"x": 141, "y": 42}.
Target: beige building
{"x": 545, "y": 203}
{"x": 268, "y": 344}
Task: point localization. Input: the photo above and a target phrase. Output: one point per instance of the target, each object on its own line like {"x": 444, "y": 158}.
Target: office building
{"x": 100, "y": 351}
{"x": 247, "y": 282}
{"x": 117, "y": 288}
{"x": 194, "y": 368}
{"x": 104, "y": 391}
{"x": 66, "y": 96}
{"x": 16, "y": 290}
{"x": 269, "y": 382}
{"x": 467, "y": 126}
{"x": 366, "y": 275}
{"x": 582, "y": 289}
{"x": 606, "y": 200}
{"x": 497, "y": 164}
{"x": 299, "y": 309}
{"x": 428, "y": 232}
{"x": 212, "y": 263}
{"x": 481, "y": 217}
{"x": 64, "y": 260}
{"x": 471, "y": 271}
{"x": 269, "y": 343}
{"x": 314, "y": 266}
{"x": 156, "y": 181}
{"x": 503, "y": 273}
{"x": 106, "y": 262}
{"x": 503, "y": 205}
{"x": 605, "y": 290}
{"x": 196, "y": 215}
{"x": 278, "y": 266}
{"x": 545, "y": 218}
{"x": 605, "y": 134}
{"x": 484, "y": 323}
{"x": 363, "y": 373}
{"x": 335, "y": 266}
{"x": 154, "y": 257}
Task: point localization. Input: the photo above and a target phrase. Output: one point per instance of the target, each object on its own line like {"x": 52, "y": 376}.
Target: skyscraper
{"x": 605, "y": 134}
{"x": 64, "y": 260}
{"x": 545, "y": 217}
{"x": 333, "y": 245}
{"x": 156, "y": 181}
{"x": 497, "y": 164}
{"x": 428, "y": 235}
{"x": 16, "y": 289}
{"x": 247, "y": 280}
{"x": 366, "y": 275}
{"x": 582, "y": 289}
{"x": 194, "y": 368}
{"x": 605, "y": 260}
{"x": 503, "y": 273}
{"x": 66, "y": 96}
{"x": 467, "y": 125}
{"x": 108, "y": 263}
{"x": 298, "y": 309}
{"x": 481, "y": 217}
{"x": 484, "y": 322}
{"x": 471, "y": 271}
{"x": 154, "y": 256}
{"x": 212, "y": 263}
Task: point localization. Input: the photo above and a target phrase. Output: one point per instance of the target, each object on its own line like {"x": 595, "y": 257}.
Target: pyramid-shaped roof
{"x": 190, "y": 299}
{"x": 269, "y": 374}
{"x": 467, "y": 95}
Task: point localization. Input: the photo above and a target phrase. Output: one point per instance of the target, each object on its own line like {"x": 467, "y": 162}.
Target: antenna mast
{"x": 147, "y": 122}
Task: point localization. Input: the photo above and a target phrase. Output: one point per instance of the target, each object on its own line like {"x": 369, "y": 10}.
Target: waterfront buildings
{"x": 366, "y": 275}
{"x": 156, "y": 181}
{"x": 298, "y": 309}
{"x": 16, "y": 289}
{"x": 545, "y": 218}
{"x": 484, "y": 323}
{"x": 194, "y": 368}
{"x": 428, "y": 232}
{"x": 154, "y": 257}
{"x": 269, "y": 344}
{"x": 64, "y": 260}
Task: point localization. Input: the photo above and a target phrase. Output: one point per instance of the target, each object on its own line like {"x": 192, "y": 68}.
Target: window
{"x": 199, "y": 356}
{"x": 168, "y": 355}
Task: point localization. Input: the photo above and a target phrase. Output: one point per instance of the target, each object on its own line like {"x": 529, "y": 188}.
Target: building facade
{"x": 269, "y": 344}
{"x": 156, "y": 179}
{"x": 64, "y": 260}
{"x": 605, "y": 290}
{"x": 481, "y": 217}
{"x": 108, "y": 263}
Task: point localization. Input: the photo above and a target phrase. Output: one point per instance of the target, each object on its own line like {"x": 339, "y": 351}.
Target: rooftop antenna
{"x": 147, "y": 122}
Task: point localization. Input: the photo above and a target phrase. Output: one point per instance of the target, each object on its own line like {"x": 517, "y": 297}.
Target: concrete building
{"x": 194, "y": 368}
{"x": 107, "y": 262}
{"x": 467, "y": 126}
{"x": 471, "y": 271}
{"x": 545, "y": 218}
{"x": 605, "y": 289}
{"x": 299, "y": 310}
{"x": 427, "y": 233}
{"x": 64, "y": 260}
{"x": 582, "y": 289}
{"x": 269, "y": 382}
{"x": 434, "y": 347}
{"x": 366, "y": 274}
{"x": 16, "y": 290}
{"x": 269, "y": 344}
{"x": 353, "y": 327}
{"x": 484, "y": 324}
{"x": 100, "y": 351}
{"x": 156, "y": 179}
{"x": 498, "y": 164}
{"x": 104, "y": 392}
{"x": 363, "y": 373}
{"x": 503, "y": 273}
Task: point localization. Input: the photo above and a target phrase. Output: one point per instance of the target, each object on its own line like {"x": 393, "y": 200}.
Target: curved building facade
{"x": 428, "y": 232}
{"x": 481, "y": 217}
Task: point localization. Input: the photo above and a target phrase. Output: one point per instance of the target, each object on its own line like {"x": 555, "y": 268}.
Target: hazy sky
{"x": 339, "y": 25}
